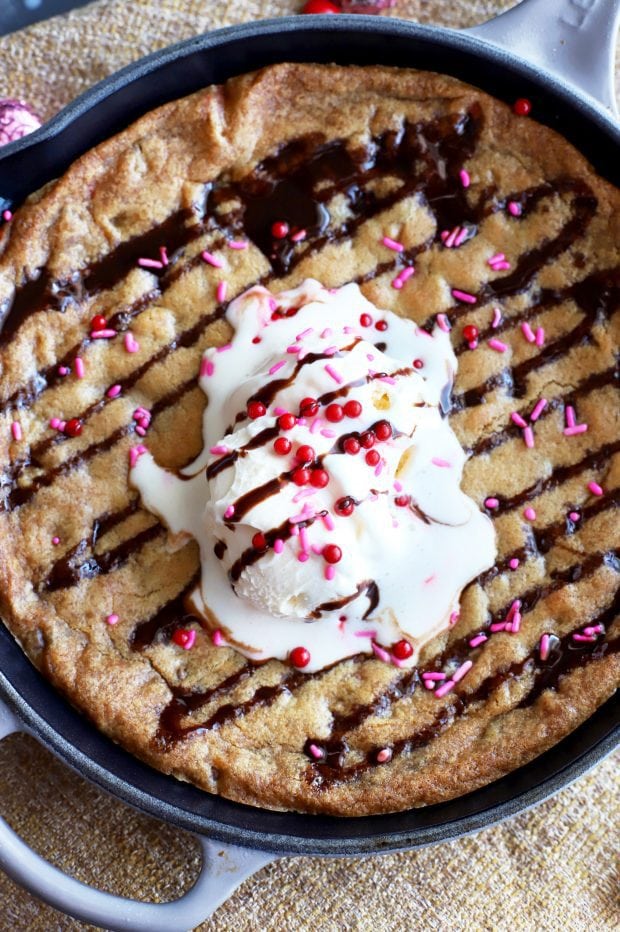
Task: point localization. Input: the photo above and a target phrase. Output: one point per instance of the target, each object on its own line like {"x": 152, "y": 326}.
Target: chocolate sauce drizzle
{"x": 296, "y": 185}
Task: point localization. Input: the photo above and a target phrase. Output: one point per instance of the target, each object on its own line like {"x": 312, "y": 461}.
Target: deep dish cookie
{"x": 110, "y": 304}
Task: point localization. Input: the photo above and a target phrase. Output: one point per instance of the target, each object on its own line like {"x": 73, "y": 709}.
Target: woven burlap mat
{"x": 553, "y": 868}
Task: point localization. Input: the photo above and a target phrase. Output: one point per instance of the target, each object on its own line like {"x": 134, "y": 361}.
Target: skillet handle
{"x": 575, "y": 40}
{"x": 224, "y": 867}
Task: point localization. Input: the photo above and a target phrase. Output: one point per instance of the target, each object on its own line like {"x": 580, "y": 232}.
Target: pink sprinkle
{"x": 465, "y": 667}
{"x": 443, "y": 324}
{"x": 55, "y": 423}
{"x": 316, "y": 424}
{"x": 570, "y": 416}
{"x": 514, "y": 209}
{"x": 218, "y": 638}
{"x": 594, "y": 629}
{"x": 497, "y": 317}
{"x": 406, "y": 274}
{"x": 491, "y": 503}
{"x": 278, "y": 545}
{"x": 540, "y": 336}
{"x": 16, "y": 430}
{"x": 392, "y": 244}
{"x": 513, "y": 564}
{"x": 207, "y": 367}
{"x": 437, "y": 461}
{"x": 454, "y": 616}
{"x": 365, "y": 634}
{"x": 328, "y": 432}
{"x": 328, "y": 521}
{"x": 574, "y": 516}
{"x": 463, "y": 296}
{"x": 517, "y": 419}
{"x": 141, "y": 430}
{"x": 430, "y": 684}
{"x": 433, "y": 676}
{"x": 114, "y": 391}
{"x": 224, "y": 348}
{"x": 299, "y": 236}
{"x": 279, "y": 410}
{"x": 594, "y": 487}
{"x": 79, "y": 367}
{"x": 131, "y": 344}
{"x": 527, "y": 331}
{"x": 135, "y": 453}
{"x": 190, "y": 640}
{"x": 316, "y": 752}
{"x": 497, "y": 345}
{"x": 529, "y": 513}
{"x": 302, "y": 556}
{"x": 7, "y": 216}
{"x": 501, "y": 266}
{"x": 577, "y": 429}
{"x": 513, "y": 610}
{"x": 237, "y": 244}
{"x": 163, "y": 255}
{"x": 330, "y": 351}
{"x": 528, "y": 437}
{"x": 498, "y": 257}
{"x": 219, "y": 449}
{"x": 333, "y": 374}
{"x": 326, "y": 333}
{"x": 388, "y": 379}
{"x": 397, "y": 283}
{"x": 303, "y": 539}
{"x": 62, "y": 370}
{"x": 584, "y": 638}
{"x": 379, "y": 467}
{"x": 55, "y": 541}
{"x": 478, "y": 640}
{"x": 465, "y": 179}
{"x": 329, "y": 572}
{"x": 516, "y": 623}
{"x": 316, "y": 548}
{"x": 447, "y": 687}
{"x": 150, "y": 264}
{"x": 304, "y": 333}
{"x": 106, "y": 334}
{"x": 444, "y": 235}
{"x": 380, "y": 653}
{"x": 461, "y": 237}
{"x": 497, "y": 626}
{"x": 538, "y": 410}
{"x": 451, "y": 239}
{"x": 229, "y": 511}
{"x": 384, "y": 755}
{"x": 210, "y": 259}
{"x": 112, "y": 619}
{"x": 545, "y": 643}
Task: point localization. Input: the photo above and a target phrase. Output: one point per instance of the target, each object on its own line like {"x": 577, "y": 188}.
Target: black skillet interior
{"x": 108, "y": 108}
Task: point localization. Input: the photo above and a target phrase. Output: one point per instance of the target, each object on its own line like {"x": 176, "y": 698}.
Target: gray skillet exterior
{"x": 108, "y": 108}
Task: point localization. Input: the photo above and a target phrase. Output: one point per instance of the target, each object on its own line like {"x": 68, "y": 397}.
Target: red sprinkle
{"x": 98, "y": 322}
{"x": 372, "y": 457}
{"x": 259, "y": 541}
{"x": 402, "y": 650}
{"x": 73, "y": 427}
{"x": 351, "y": 446}
{"x": 344, "y": 506}
{"x": 332, "y": 553}
{"x": 309, "y": 407}
{"x": 256, "y": 409}
{"x": 522, "y": 106}
{"x": 418, "y": 364}
{"x": 334, "y": 413}
{"x": 305, "y": 454}
{"x": 184, "y": 638}
{"x": 367, "y": 439}
{"x": 383, "y": 430}
{"x": 319, "y": 478}
{"x": 365, "y": 320}
{"x": 287, "y": 421}
{"x": 402, "y": 501}
{"x": 282, "y": 446}
{"x": 300, "y": 657}
{"x": 470, "y": 333}
{"x": 279, "y": 230}
{"x": 381, "y": 325}
{"x": 301, "y": 476}
{"x": 353, "y": 409}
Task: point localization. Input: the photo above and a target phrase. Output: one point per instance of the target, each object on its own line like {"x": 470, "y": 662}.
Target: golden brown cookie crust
{"x": 251, "y": 744}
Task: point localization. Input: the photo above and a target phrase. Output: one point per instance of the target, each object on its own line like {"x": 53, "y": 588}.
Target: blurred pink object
{"x": 366, "y": 6}
{"x": 17, "y": 119}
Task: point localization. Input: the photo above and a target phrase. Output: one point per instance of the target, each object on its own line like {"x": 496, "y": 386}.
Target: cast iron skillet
{"x": 571, "y": 39}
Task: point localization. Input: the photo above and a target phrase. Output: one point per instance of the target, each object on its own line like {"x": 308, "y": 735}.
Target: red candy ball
{"x": 522, "y": 106}
{"x": 279, "y": 229}
{"x": 98, "y": 322}
{"x": 320, "y": 6}
{"x": 301, "y": 476}
{"x": 256, "y": 409}
{"x": 402, "y": 501}
{"x": 287, "y": 421}
{"x": 365, "y": 320}
{"x": 305, "y": 454}
{"x": 309, "y": 407}
{"x": 402, "y": 650}
{"x": 182, "y": 637}
{"x": 344, "y": 506}
{"x": 259, "y": 541}
{"x": 470, "y": 332}
{"x": 383, "y": 430}
{"x": 372, "y": 457}
{"x": 418, "y": 364}
{"x": 353, "y": 409}
{"x": 299, "y": 657}
{"x": 367, "y": 439}
{"x": 332, "y": 553}
{"x": 381, "y": 325}
{"x": 319, "y": 478}
{"x": 334, "y": 413}
{"x": 351, "y": 446}
{"x": 282, "y": 446}
{"x": 73, "y": 427}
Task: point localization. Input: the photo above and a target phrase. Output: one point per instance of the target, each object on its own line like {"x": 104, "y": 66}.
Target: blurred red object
{"x": 366, "y": 6}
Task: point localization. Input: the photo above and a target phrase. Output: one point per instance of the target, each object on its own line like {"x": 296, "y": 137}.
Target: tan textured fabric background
{"x": 550, "y": 869}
